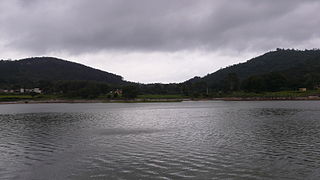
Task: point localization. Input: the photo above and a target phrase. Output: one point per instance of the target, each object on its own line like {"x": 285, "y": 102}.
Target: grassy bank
{"x": 288, "y": 94}
{"x": 161, "y": 96}
{"x": 47, "y": 98}
{"x": 23, "y": 97}
{"x": 5, "y": 98}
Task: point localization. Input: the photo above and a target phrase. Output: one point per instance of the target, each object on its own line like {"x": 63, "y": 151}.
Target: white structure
{"x": 22, "y": 90}
{"x": 37, "y": 90}
{"x": 302, "y": 89}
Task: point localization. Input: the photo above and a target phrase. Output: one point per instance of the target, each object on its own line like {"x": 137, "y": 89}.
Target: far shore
{"x": 89, "y": 101}
{"x": 309, "y": 98}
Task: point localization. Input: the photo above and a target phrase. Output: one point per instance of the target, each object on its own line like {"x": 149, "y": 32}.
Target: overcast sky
{"x": 156, "y": 40}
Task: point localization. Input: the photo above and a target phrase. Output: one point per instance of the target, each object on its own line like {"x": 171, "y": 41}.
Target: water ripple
{"x": 196, "y": 140}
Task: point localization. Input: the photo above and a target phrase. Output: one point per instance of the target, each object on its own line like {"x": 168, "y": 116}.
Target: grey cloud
{"x": 78, "y": 26}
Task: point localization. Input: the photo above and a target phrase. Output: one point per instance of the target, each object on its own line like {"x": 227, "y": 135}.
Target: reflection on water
{"x": 190, "y": 140}
{"x": 263, "y": 112}
{"x": 110, "y": 132}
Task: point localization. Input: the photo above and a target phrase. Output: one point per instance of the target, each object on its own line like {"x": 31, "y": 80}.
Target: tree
{"x": 274, "y": 82}
{"x": 311, "y": 80}
{"x": 130, "y": 92}
{"x": 81, "y": 89}
{"x": 253, "y": 84}
{"x": 231, "y": 82}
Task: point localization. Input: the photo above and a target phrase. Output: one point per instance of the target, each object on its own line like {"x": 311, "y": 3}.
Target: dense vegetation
{"x": 56, "y": 76}
{"x": 274, "y": 71}
{"x": 280, "y": 70}
{"x": 32, "y": 71}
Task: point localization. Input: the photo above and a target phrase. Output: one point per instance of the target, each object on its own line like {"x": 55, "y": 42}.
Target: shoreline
{"x": 308, "y": 98}
{"x": 52, "y": 101}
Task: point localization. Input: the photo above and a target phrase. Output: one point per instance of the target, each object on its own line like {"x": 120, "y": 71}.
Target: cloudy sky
{"x": 156, "y": 40}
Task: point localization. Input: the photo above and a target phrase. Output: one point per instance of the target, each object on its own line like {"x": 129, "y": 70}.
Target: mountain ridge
{"x": 273, "y": 61}
{"x": 283, "y": 69}
{"x": 51, "y": 69}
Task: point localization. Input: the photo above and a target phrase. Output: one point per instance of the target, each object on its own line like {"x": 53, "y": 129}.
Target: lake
{"x": 187, "y": 140}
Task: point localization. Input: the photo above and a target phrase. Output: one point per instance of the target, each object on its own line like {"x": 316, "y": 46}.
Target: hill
{"x": 33, "y": 70}
{"x": 293, "y": 65}
{"x": 279, "y": 70}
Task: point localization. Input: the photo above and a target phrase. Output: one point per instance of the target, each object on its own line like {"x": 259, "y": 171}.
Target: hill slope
{"x": 284, "y": 61}
{"x": 31, "y": 70}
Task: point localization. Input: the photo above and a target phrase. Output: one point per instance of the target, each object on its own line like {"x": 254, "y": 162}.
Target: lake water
{"x": 188, "y": 140}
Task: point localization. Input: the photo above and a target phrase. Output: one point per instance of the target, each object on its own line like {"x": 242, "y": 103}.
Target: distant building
{"x": 115, "y": 93}
{"x": 28, "y": 90}
{"x": 118, "y": 91}
{"x": 21, "y": 90}
{"x": 302, "y": 89}
{"x": 37, "y": 90}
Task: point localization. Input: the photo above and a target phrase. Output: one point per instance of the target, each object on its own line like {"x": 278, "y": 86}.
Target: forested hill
{"x": 293, "y": 64}
{"x": 274, "y": 71}
{"x": 31, "y": 70}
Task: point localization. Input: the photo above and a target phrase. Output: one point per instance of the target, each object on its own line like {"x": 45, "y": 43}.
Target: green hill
{"x": 30, "y": 71}
{"x": 290, "y": 68}
{"x": 274, "y": 71}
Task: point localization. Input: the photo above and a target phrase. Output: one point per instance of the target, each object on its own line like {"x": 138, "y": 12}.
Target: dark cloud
{"x": 77, "y": 26}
